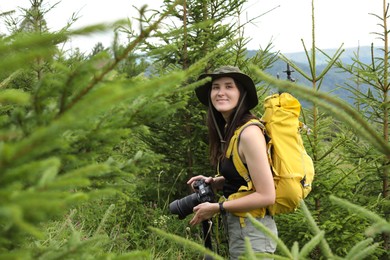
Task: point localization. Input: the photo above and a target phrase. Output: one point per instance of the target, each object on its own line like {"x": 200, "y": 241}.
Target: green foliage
{"x": 361, "y": 250}
{"x": 71, "y": 239}
{"x": 189, "y": 245}
{"x": 65, "y": 143}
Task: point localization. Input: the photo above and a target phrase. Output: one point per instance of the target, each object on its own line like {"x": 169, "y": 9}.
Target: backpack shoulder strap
{"x": 233, "y": 151}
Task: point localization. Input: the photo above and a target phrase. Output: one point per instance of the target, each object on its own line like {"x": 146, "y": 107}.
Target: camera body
{"x": 184, "y": 206}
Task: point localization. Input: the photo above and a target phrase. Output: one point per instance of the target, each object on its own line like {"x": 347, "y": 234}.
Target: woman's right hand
{"x": 208, "y": 180}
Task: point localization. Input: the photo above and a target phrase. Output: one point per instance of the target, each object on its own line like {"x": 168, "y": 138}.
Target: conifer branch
{"x": 331, "y": 62}
{"x": 316, "y": 231}
{"x": 186, "y": 243}
{"x": 118, "y": 58}
{"x": 6, "y": 81}
{"x": 281, "y": 245}
{"x": 383, "y": 225}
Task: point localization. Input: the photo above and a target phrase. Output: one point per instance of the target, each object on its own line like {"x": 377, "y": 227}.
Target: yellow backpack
{"x": 292, "y": 167}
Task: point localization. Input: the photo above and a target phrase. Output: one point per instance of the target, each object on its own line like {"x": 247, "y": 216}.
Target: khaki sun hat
{"x": 203, "y": 92}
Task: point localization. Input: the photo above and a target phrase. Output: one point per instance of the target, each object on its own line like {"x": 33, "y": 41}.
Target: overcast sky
{"x": 337, "y": 21}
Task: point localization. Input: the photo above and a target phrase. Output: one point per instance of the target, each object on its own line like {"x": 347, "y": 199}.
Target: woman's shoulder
{"x": 252, "y": 137}
{"x": 252, "y": 123}
{"x": 252, "y": 129}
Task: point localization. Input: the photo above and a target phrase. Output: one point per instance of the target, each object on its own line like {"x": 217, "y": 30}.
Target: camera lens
{"x": 183, "y": 207}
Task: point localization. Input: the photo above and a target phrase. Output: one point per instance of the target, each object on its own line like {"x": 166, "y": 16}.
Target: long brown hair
{"x": 217, "y": 152}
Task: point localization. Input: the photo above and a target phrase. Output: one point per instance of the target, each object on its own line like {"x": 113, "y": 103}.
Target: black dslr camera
{"x": 184, "y": 206}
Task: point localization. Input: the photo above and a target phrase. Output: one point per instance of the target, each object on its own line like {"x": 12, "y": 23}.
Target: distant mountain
{"x": 364, "y": 53}
{"x": 333, "y": 80}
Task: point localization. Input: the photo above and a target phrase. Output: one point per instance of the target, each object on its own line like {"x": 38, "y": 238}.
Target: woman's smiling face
{"x": 224, "y": 95}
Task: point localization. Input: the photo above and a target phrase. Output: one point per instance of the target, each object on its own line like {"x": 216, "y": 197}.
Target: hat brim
{"x": 203, "y": 91}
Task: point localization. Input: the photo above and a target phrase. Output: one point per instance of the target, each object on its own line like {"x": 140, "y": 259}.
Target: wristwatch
{"x": 221, "y": 208}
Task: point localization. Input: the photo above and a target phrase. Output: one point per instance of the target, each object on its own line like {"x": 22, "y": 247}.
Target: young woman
{"x": 229, "y": 96}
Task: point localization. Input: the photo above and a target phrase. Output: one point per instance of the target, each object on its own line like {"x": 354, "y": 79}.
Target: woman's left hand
{"x": 204, "y": 211}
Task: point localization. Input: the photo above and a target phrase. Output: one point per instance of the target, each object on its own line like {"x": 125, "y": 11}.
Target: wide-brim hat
{"x": 203, "y": 92}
